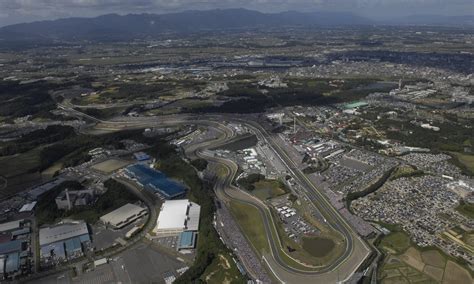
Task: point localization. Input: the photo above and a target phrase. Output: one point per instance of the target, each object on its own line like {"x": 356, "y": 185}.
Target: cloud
{"x": 21, "y": 10}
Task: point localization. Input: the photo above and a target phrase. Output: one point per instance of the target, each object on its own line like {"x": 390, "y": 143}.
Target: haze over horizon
{"x": 19, "y": 11}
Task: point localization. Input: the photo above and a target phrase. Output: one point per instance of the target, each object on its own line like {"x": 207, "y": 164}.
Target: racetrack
{"x": 356, "y": 250}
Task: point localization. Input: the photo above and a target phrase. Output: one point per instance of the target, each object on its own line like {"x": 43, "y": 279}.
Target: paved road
{"x": 356, "y": 249}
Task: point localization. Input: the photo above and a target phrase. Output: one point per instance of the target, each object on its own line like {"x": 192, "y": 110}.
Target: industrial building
{"x": 176, "y": 217}
{"x": 123, "y": 216}
{"x": 63, "y": 242}
{"x": 155, "y": 181}
{"x": 14, "y": 248}
{"x": 69, "y": 199}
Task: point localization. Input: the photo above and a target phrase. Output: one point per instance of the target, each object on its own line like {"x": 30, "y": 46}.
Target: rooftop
{"x": 187, "y": 240}
{"x": 156, "y": 180}
{"x": 179, "y": 214}
{"x": 13, "y": 225}
{"x": 62, "y": 232}
{"x": 122, "y": 214}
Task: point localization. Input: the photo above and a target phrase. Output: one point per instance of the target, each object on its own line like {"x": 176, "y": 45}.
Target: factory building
{"x": 155, "y": 181}
{"x": 63, "y": 242}
{"x": 179, "y": 218}
{"x": 68, "y": 199}
{"x": 123, "y": 216}
{"x": 14, "y": 248}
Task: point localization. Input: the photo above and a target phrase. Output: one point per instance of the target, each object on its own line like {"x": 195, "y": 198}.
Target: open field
{"x": 251, "y": 223}
{"x": 49, "y": 172}
{"x": 416, "y": 265}
{"x": 433, "y": 258}
{"x": 266, "y": 189}
{"x": 313, "y": 250}
{"x": 454, "y": 273}
{"x": 222, "y": 270}
{"x": 318, "y": 247}
{"x": 466, "y": 209}
{"x": 397, "y": 241}
{"x": 110, "y": 166}
{"x": 465, "y": 160}
{"x": 18, "y": 172}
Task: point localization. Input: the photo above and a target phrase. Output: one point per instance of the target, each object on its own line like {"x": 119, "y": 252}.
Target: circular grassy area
{"x": 318, "y": 247}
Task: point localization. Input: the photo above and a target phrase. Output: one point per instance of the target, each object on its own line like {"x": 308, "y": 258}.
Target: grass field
{"x": 222, "y": 270}
{"x": 466, "y": 160}
{"x": 414, "y": 265}
{"x": 313, "y": 253}
{"x": 405, "y": 171}
{"x": 266, "y": 189}
{"x": 251, "y": 223}
{"x": 318, "y": 247}
{"x": 466, "y": 210}
{"x": 19, "y": 172}
{"x": 397, "y": 242}
{"x": 110, "y": 166}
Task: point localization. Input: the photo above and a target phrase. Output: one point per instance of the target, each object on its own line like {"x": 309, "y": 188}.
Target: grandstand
{"x": 155, "y": 181}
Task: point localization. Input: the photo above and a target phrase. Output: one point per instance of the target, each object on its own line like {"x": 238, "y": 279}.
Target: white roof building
{"x": 177, "y": 216}
{"x": 123, "y": 216}
{"x": 28, "y": 207}
{"x": 10, "y": 226}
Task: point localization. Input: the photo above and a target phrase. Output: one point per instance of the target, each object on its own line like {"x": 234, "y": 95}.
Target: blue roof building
{"x": 187, "y": 240}
{"x": 156, "y": 181}
{"x": 141, "y": 156}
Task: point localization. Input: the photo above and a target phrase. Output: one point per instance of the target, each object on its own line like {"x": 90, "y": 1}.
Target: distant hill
{"x": 114, "y": 27}
{"x": 133, "y": 26}
{"x": 434, "y": 20}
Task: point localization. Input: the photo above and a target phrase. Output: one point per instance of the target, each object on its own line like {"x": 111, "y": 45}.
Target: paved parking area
{"x": 103, "y": 238}
{"x": 140, "y": 264}
{"x": 169, "y": 242}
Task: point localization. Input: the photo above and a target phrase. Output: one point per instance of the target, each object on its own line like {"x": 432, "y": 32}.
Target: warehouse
{"x": 155, "y": 181}
{"x": 63, "y": 242}
{"x": 123, "y": 216}
{"x": 177, "y": 216}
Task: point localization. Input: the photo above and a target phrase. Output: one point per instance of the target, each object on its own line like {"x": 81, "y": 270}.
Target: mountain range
{"x": 139, "y": 26}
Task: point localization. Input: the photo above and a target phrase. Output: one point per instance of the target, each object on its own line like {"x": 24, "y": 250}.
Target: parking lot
{"x": 103, "y": 238}
{"x": 169, "y": 242}
{"x": 294, "y": 225}
{"x": 140, "y": 264}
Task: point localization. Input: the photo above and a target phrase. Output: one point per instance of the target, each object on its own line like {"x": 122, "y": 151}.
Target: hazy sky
{"x": 14, "y": 11}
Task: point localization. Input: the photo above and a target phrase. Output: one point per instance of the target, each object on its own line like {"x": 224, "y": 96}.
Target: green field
{"x": 406, "y": 263}
{"x": 466, "y": 161}
{"x": 19, "y": 172}
{"x": 251, "y": 223}
{"x": 222, "y": 270}
{"x": 318, "y": 247}
{"x": 466, "y": 209}
{"x": 267, "y": 189}
{"x": 398, "y": 242}
{"x": 405, "y": 171}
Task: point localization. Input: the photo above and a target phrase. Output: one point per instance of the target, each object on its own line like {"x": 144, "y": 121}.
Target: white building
{"x": 177, "y": 216}
{"x": 123, "y": 216}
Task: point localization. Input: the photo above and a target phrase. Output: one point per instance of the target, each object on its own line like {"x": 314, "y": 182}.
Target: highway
{"x": 355, "y": 251}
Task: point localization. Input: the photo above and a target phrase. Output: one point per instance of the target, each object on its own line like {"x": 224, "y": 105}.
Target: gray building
{"x": 63, "y": 242}
{"x": 68, "y": 199}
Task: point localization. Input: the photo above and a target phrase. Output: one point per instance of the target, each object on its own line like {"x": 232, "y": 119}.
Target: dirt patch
{"x": 110, "y": 165}
{"x": 433, "y": 258}
{"x": 225, "y": 263}
{"x": 456, "y": 274}
{"x": 413, "y": 258}
{"x": 434, "y": 272}
{"x": 395, "y": 280}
